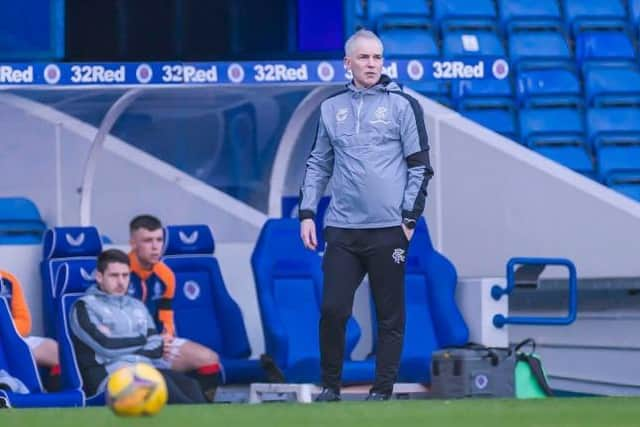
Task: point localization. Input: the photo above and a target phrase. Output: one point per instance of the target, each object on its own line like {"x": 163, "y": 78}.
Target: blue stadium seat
{"x": 289, "y": 286}
{"x": 20, "y": 222}
{"x": 612, "y": 86}
{"x": 527, "y": 15}
{"x": 70, "y": 369}
{"x": 379, "y": 11}
{"x": 433, "y": 320}
{"x": 548, "y": 88}
{"x": 618, "y": 163}
{"x": 77, "y": 247}
{"x": 574, "y": 157}
{"x": 634, "y": 13}
{"x": 204, "y": 311}
{"x": 545, "y": 49}
{"x": 487, "y": 102}
{"x": 500, "y": 120}
{"x": 551, "y": 126}
{"x": 461, "y": 44}
{"x": 615, "y": 136}
{"x": 465, "y": 14}
{"x": 16, "y": 359}
{"x": 409, "y": 42}
{"x": 613, "y": 126}
{"x": 608, "y": 48}
{"x": 470, "y": 94}
{"x": 629, "y": 186}
{"x": 585, "y": 15}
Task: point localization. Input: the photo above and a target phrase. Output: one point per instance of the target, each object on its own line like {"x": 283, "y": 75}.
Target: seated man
{"x": 153, "y": 282}
{"x": 44, "y": 350}
{"x": 111, "y": 329}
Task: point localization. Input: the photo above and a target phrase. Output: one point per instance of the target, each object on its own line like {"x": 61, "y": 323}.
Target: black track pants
{"x": 350, "y": 254}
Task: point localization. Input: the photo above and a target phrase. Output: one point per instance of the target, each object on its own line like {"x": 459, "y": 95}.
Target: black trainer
{"x": 374, "y": 395}
{"x": 328, "y": 395}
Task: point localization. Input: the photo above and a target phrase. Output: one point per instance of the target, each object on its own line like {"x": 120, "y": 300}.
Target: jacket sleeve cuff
{"x": 410, "y": 215}
{"x": 306, "y": 214}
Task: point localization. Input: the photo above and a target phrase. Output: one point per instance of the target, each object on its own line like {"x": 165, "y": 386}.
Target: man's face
{"x": 115, "y": 279}
{"x": 147, "y": 245}
{"x": 365, "y": 62}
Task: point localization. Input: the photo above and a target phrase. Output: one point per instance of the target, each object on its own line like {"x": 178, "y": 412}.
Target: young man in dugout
{"x": 153, "y": 282}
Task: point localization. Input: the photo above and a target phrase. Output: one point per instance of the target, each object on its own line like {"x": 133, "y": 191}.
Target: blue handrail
{"x": 497, "y": 292}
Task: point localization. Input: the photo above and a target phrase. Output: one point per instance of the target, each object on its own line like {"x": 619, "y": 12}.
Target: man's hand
{"x": 408, "y": 233}
{"x": 308, "y": 234}
{"x": 166, "y": 346}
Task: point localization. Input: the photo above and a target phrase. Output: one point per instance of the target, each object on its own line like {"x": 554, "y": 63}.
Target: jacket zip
{"x": 358, "y": 114}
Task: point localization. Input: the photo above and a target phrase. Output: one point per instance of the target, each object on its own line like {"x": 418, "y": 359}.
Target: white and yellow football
{"x": 136, "y": 390}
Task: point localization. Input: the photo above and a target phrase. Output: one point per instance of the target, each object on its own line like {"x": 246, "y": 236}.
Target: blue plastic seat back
{"x": 77, "y": 247}
{"x": 612, "y": 86}
{"x": 499, "y": 120}
{"x": 70, "y": 369}
{"x": 613, "y": 126}
{"x": 482, "y": 94}
{"x": 551, "y": 126}
{"x": 634, "y": 10}
{"x": 409, "y": 42}
{"x": 377, "y": 9}
{"x": 289, "y": 285}
{"x": 605, "y": 48}
{"x": 465, "y": 14}
{"x": 576, "y": 158}
{"x": 584, "y": 15}
{"x": 518, "y": 15}
{"x": 539, "y": 49}
{"x": 20, "y": 222}
{"x": 548, "y": 88}
{"x": 631, "y": 190}
{"x": 16, "y": 356}
{"x": 460, "y": 44}
{"x": 203, "y": 309}
{"x": 615, "y": 160}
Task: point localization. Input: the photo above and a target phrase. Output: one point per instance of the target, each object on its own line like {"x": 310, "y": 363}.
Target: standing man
{"x": 153, "y": 282}
{"x": 372, "y": 145}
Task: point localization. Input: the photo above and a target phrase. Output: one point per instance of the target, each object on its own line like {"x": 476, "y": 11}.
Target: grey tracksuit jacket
{"x": 108, "y": 332}
{"x": 371, "y": 148}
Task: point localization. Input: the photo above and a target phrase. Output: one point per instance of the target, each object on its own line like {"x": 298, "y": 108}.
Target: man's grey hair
{"x": 360, "y": 34}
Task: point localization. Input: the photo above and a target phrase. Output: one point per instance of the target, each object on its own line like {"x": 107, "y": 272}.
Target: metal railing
{"x": 498, "y": 292}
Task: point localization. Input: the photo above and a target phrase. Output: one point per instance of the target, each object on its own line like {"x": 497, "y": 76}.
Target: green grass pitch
{"x": 561, "y": 412}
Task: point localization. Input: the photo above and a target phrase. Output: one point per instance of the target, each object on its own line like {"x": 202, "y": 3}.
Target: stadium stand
{"x": 20, "y": 222}
{"x": 202, "y": 299}
{"x": 564, "y": 55}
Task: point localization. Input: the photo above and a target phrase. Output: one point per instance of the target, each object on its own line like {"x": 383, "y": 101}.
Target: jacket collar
{"x": 384, "y": 84}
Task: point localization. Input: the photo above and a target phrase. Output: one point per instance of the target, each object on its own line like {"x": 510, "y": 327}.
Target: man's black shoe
{"x": 374, "y": 395}
{"x": 328, "y": 395}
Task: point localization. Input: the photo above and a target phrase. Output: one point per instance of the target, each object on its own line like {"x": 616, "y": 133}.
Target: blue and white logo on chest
{"x": 380, "y": 116}
{"x": 341, "y": 115}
